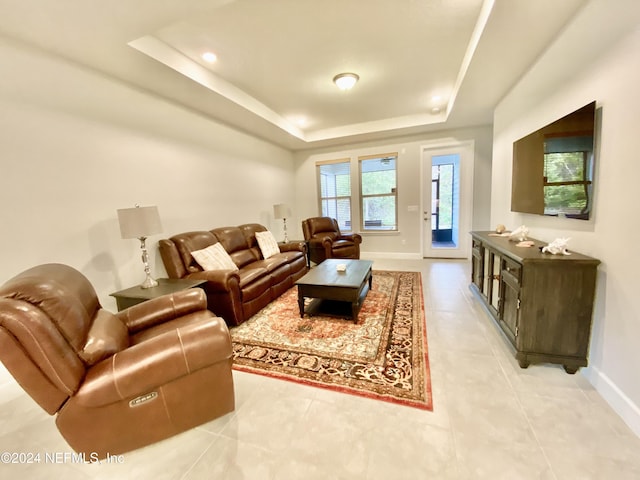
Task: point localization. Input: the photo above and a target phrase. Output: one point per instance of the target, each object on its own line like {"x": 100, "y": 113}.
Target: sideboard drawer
{"x": 514, "y": 269}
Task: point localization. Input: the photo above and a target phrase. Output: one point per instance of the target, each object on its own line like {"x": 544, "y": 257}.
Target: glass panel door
{"x": 447, "y": 193}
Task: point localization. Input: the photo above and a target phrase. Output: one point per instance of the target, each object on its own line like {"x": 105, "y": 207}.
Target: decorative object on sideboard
{"x": 519, "y": 234}
{"x": 500, "y": 231}
{"x": 557, "y": 247}
{"x": 282, "y": 211}
{"x": 141, "y": 222}
{"x": 526, "y": 244}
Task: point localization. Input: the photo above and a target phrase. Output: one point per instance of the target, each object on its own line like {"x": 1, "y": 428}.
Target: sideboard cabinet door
{"x": 510, "y": 280}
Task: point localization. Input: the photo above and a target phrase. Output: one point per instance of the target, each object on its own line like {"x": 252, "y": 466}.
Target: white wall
{"x": 407, "y": 242}
{"x": 555, "y": 86}
{"x": 76, "y": 146}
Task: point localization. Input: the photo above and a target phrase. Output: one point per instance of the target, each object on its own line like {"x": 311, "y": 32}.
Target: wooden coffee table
{"x": 335, "y": 293}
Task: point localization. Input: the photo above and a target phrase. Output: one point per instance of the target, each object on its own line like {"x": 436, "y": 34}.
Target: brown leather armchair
{"x": 115, "y": 382}
{"x": 324, "y": 240}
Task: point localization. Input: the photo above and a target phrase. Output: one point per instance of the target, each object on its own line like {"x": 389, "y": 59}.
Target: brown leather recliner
{"x": 115, "y": 382}
{"x": 324, "y": 240}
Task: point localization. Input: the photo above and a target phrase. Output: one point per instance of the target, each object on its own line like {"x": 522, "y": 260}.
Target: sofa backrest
{"x": 249, "y": 230}
{"x": 176, "y": 252}
{"x": 236, "y": 244}
{"x": 239, "y": 242}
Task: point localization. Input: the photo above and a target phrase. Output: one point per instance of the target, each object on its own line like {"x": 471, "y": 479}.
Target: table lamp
{"x": 140, "y": 222}
{"x": 282, "y": 211}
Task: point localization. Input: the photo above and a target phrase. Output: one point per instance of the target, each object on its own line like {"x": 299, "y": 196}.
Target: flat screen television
{"x": 553, "y": 167}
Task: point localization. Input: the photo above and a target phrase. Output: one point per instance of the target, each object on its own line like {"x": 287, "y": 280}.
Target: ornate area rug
{"x": 383, "y": 356}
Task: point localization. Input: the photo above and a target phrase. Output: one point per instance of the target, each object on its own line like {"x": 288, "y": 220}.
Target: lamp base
{"x": 286, "y": 240}
{"x": 149, "y": 283}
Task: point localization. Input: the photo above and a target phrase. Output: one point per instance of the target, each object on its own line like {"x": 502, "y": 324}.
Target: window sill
{"x": 382, "y": 233}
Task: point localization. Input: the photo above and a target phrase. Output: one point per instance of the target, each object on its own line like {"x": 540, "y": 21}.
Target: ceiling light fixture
{"x": 345, "y": 81}
{"x": 209, "y": 57}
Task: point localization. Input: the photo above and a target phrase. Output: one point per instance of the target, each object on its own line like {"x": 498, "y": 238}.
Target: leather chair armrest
{"x": 142, "y": 368}
{"x": 328, "y": 241}
{"x": 316, "y": 242}
{"x": 293, "y": 246}
{"x": 162, "y": 309}
{"x": 354, "y": 237}
{"x": 218, "y": 280}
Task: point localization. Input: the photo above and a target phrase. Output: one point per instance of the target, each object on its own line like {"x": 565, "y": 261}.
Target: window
{"x": 567, "y": 176}
{"x": 378, "y": 192}
{"x": 335, "y": 191}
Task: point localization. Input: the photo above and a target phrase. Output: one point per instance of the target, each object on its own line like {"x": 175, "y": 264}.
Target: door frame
{"x": 466, "y": 150}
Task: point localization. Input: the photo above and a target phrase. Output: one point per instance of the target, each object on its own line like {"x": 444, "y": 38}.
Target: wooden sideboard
{"x": 542, "y": 302}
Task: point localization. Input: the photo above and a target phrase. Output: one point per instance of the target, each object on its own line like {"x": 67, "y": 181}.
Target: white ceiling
{"x": 277, "y": 58}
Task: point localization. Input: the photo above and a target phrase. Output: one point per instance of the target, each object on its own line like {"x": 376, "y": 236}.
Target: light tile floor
{"x": 491, "y": 419}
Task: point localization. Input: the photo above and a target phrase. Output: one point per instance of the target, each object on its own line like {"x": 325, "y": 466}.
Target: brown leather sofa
{"x": 324, "y": 240}
{"x": 236, "y": 295}
{"x": 115, "y": 382}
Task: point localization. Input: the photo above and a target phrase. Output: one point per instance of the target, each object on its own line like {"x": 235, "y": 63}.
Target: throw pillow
{"x": 267, "y": 243}
{"x": 214, "y": 257}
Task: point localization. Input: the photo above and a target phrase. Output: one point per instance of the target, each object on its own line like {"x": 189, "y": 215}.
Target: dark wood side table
{"x": 134, "y": 295}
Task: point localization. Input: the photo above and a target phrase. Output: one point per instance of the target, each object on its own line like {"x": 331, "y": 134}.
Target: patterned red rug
{"x": 383, "y": 356}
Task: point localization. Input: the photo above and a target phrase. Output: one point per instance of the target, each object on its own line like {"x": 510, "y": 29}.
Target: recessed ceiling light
{"x": 209, "y": 57}
{"x": 436, "y": 98}
{"x": 345, "y": 81}
{"x": 435, "y": 110}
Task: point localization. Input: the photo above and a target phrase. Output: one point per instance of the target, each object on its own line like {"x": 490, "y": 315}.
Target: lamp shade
{"x": 281, "y": 211}
{"x": 139, "y": 222}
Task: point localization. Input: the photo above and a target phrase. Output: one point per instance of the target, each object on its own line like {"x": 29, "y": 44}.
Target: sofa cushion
{"x": 268, "y": 244}
{"x": 292, "y": 255}
{"x": 249, "y": 231}
{"x": 231, "y": 238}
{"x": 342, "y": 244}
{"x": 214, "y": 257}
{"x": 188, "y": 242}
{"x": 254, "y": 282}
{"x": 271, "y": 263}
{"x": 236, "y": 245}
{"x": 249, "y": 275}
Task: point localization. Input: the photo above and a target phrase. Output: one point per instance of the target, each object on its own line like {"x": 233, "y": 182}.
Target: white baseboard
{"x": 616, "y": 398}
{"x": 390, "y": 255}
